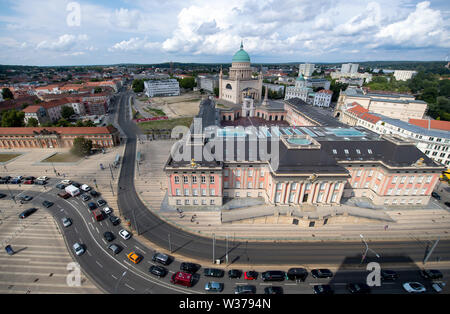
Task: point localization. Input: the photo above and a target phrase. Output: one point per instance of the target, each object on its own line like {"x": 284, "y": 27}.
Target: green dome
{"x": 300, "y": 78}
{"x": 241, "y": 55}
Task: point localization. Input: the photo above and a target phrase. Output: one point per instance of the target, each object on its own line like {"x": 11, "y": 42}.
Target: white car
{"x": 414, "y": 287}
{"x": 67, "y": 222}
{"x": 85, "y": 188}
{"x": 43, "y": 178}
{"x": 438, "y": 286}
{"x": 125, "y": 234}
{"x": 78, "y": 248}
{"x": 107, "y": 210}
{"x": 66, "y": 182}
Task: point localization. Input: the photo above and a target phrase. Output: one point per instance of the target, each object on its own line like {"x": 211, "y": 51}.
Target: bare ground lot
{"x": 7, "y": 157}
{"x": 62, "y": 157}
{"x": 186, "y": 105}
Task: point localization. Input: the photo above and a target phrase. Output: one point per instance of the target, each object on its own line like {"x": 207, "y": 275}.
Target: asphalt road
{"x": 252, "y": 253}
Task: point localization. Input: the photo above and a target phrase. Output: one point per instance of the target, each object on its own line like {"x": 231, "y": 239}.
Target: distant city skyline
{"x": 61, "y": 32}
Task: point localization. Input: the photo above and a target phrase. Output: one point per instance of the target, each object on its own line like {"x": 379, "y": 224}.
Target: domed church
{"x": 239, "y": 85}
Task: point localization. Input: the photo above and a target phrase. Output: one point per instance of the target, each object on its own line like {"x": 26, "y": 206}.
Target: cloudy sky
{"x": 60, "y": 32}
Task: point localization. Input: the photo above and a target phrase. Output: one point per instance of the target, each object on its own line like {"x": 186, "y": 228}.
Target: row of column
{"x": 313, "y": 192}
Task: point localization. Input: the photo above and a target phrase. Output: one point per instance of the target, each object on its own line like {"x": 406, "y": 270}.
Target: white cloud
{"x": 63, "y": 43}
{"x": 134, "y": 44}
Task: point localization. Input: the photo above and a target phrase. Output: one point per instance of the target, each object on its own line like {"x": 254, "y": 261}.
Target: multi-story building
{"x": 36, "y": 112}
{"x": 349, "y": 68}
{"x": 53, "y": 137}
{"x": 208, "y": 82}
{"x": 162, "y": 88}
{"x": 300, "y": 90}
{"x": 318, "y": 83}
{"x": 306, "y": 69}
{"x": 402, "y": 75}
{"x": 430, "y": 136}
{"x": 322, "y": 98}
{"x": 291, "y": 166}
{"x": 396, "y": 106}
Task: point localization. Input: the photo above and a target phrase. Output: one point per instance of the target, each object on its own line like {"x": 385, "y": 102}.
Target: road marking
{"x": 75, "y": 228}
{"x": 140, "y": 249}
{"x": 89, "y": 253}
{"x": 97, "y": 230}
{"x": 104, "y": 241}
{"x": 266, "y": 284}
{"x": 123, "y": 244}
{"x": 130, "y": 287}
{"x": 101, "y": 266}
{"x": 114, "y": 277}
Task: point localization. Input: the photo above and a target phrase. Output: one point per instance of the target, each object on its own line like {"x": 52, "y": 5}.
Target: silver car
{"x": 79, "y": 249}
{"x": 67, "y": 222}
{"x": 214, "y": 286}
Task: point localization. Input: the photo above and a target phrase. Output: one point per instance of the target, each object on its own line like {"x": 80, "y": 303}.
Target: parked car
{"x": 25, "y": 198}
{"x": 101, "y": 203}
{"x": 79, "y": 249}
{"x": 247, "y": 289}
{"x": 158, "y": 271}
{"x": 109, "y": 236}
{"x": 92, "y": 206}
{"x": 114, "y": 220}
{"x": 124, "y": 234}
{"x": 438, "y": 286}
{"x": 107, "y": 211}
{"x": 235, "y": 274}
{"x": 30, "y": 178}
{"x": 183, "y": 279}
{"x": 435, "y": 195}
{"x": 85, "y": 197}
{"x": 273, "y": 290}
{"x": 40, "y": 182}
{"x": 431, "y": 274}
{"x": 321, "y": 273}
{"x": 213, "y": 272}
{"x": 77, "y": 185}
{"x": 43, "y": 178}
{"x": 2, "y": 195}
{"x": 28, "y": 182}
{"x": 67, "y": 222}
{"x": 27, "y": 213}
{"x": 162, "y": 258}
{"x": 135, "y": 258}
{"x": 94, "y": 194}
{"x": 447, "y": 204}
{"x": 388, "y": 275}
{"x": 214, "y": 286}
{"x": 85, "y": 188}
{"x": 414, "y": 287}
{"x": 251, "y": 275}
{"x": 323, "y": 289}
{"x": 66, "y": 182}
{"x": 273, "y": 275}
{"x": 297, "y": 274}
{"x": 16, "y": 181}
{"x": 61, "y": 186}
{"x": 116, "y": 249}
{"x": 358, "y": 288}
{"x": 64, "y": 195}
{"x": 47, "y": 204}
{"x": 189, "y": 267}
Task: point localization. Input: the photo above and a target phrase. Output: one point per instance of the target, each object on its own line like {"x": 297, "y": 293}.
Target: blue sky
{"x": 44, "y": 33}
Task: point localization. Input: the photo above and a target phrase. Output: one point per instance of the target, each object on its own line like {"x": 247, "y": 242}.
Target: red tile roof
{"x": 326, "y": 91}
{"x": 357, "y": 109}
{"x": 63, "y": 131}
{"x": 31, "y": 109}
{"x": 433, "y": 124}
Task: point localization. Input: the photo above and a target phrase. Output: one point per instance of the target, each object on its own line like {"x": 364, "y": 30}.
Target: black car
{"x": 3, "y": 181}
{"x": 2, "y": 195}
{"x": 158, "y": 271}
{"x": 388, "y": 275}
{"x": 101, "y": 203}
{"x": 115, "y": 248}
{"x": 162, "y": 258}
{"x": 447, "y": 204}
{"x": 30, "y": 178}
{"x": 114, "y": 220}
{"x": 60, "y": 186}
{"x": 273, "y": 275}
{"x": 26, "y": 198}
{"x": 435, "y": 195}
{"x": 27, "y": 213}
{"x": 358, "y": 288}
{"x": 235, "y": 274}
{"x": 75, "y": 184}
{"x": 94, "y": 193}
{"x": 212, "y": 272}
{"x": 40, "y": 182}
{"x": 323, "y": 289}
{"x": 321, "y": 273}
{"x": 92, "y": 206}
{"x": 297, "y": 274}
{"x": 247, "y": 289}
{"x": 431, "y": 274}
{"x": 47, "y": 204}
{"x": 273, "y": 290}
{"x": 189, "y": 267}
{"x": 109, "y": 236}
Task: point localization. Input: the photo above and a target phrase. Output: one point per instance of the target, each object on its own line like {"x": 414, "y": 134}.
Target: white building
{"x": 306, "y": 69}
{"x": 401, "y": 75}
{"x": 323, "y": 98}
{"x": 162, "y": 88}
{"x": 349, "y": 68}
{"x": 208, "y": 82}
{"x": 299, "y": 90}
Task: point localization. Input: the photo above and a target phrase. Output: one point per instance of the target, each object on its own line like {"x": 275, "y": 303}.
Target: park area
{"x": 5, "y": 157}
{"x": 62, "y": 158}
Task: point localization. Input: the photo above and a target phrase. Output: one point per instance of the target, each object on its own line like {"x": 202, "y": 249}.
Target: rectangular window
{"x": 238, "y": 173}
{"x": 226, "y": 173}
{"x": 380, "y": 176}
{"x": 394, "y": 179}
{"x": 186, "y": 192}
{"x": 322, "y": 186}
{"x": 420, "y": 180}
{"x": 424, "y": 191}
{"x": 195, "y": 202}
{"x": 366, "y": 185}
{"x": 358, "y": 174}
{"x": 402, "y": 180}
{"x": 389, "y": 192}
{"x": 406, "y": 191}
{"x": 185, "y": 179}
{"x": 212, "y": 179}
{"x": 186, "y": 202}
{"x": 203, "y": 179}
{"x": 238, "y": 184}
{"x": 249, "y": 185}
{"x": 203, "y": 192}
{"x": 178, "y": 202}
{"x": 195, "y": 192}
{"x": 203, "y": 202}
{"x": 250, "y": 173}
{"x": 177, "y": 179}
{"x": 213, "y": 192}
{"x": 429, "y": 179}
{"x": 399, "y": 191}
{"x": 178, "y": 192}
{"x": 261, "y": 185}
{"x": 194, "y": 179}
{"x": 308, "y": 186}
{"x": 225, "y": 184}
{"x": 411, "y": 180}
{"x": 370, "y": 173}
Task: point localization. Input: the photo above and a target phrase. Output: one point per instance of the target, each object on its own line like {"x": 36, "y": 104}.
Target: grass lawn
{"x": 8, "y": 157}
{"x": 165, "y": 124}
{"x": 155, "y": 112}
{"x": 63, "y": 157}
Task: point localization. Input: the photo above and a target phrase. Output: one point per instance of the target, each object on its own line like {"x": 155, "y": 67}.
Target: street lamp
{"x": 367, "y": 249}
{"x": 117, "y": 285}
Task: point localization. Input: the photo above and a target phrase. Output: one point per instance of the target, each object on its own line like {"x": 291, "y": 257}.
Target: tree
{"x": 67, "y": 112}
{"x": 188, "y": 83}
{"x": 32, "y": 122}
{"x": 81, "y": 147}
{"x": 13, "y": 118}
{"x": 138, "y": 86}
{"x": 216, "y": 91}
{"x": 98, "y": 90}
{"x": 7, "y": 94}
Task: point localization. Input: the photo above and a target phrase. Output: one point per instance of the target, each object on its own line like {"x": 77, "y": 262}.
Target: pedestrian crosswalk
{"x": 39, "y": 265}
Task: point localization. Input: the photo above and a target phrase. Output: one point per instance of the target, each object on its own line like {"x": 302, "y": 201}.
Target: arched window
{"x": 229, "y": 86}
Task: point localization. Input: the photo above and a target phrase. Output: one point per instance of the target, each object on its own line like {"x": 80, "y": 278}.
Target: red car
{"x": 29, "y": 182}
{"x": 250, "y": 275}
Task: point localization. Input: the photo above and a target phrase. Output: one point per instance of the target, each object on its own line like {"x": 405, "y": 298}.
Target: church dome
{"x": 300, "y": 78}
{"x": 241, "y": 55}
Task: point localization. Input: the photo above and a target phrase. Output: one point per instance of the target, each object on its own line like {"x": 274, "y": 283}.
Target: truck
{"x": 98, "y": 215}
{"x": 72, "y": 190}
{"x": 183, "y": 279}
